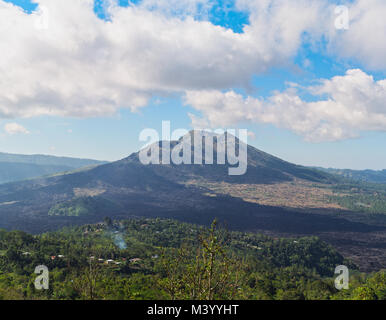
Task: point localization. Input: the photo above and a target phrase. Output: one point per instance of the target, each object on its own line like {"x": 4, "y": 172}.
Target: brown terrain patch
{"x": 297, "y": 194}
{"x": 84, "y": 192}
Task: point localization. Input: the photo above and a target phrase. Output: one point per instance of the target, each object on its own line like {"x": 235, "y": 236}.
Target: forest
{"x": 146, "y": 259}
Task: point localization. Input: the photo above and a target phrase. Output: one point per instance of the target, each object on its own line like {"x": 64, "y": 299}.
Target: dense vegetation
{"x": 81, "y": 206}
{"x": 361, "y": 197}
{"x": 165, "y": 259}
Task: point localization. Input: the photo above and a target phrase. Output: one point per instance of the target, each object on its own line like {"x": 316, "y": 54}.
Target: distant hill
{"x": 373, "y": 176}
{"x": 15, "y": 167}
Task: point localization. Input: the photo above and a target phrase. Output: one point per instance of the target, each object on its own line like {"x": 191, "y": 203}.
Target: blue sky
{"x": 112, "y": 136}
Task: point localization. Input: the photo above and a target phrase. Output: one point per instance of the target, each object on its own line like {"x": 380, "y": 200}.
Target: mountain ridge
{"x": 18, "y": 167}
{"x": 367, "y": 175}
{"x": 44, "y": 159}
{"x": 127, "y": 187}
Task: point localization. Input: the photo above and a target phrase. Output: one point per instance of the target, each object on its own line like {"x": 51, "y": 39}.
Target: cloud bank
{"x": 63, "y": 60}
{"x": 341, "y": 108}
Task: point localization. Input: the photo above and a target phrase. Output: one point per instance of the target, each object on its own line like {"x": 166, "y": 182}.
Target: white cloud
{"x": 15, "y": 128}
{"x": 70, "y": 63}
{"x": 365, "y": 39}
{"x": 343, "y": 107}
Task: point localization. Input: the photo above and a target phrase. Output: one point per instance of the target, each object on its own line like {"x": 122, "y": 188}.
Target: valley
{"x": 274, "y": 197}
{"x": 149, "y": 259}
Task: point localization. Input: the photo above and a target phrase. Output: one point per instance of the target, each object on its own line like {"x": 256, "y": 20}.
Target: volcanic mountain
{"x": 196, "y": 193}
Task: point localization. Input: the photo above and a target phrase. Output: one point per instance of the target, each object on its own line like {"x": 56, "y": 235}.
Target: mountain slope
{"x": 129, "y": 188}
{"x": 10, "y": 171}
{"x": 48, "y": 160}
{"x": 262, "y": 168}
{"x": 372, "y": 176}
{"x": 15, "y": 167}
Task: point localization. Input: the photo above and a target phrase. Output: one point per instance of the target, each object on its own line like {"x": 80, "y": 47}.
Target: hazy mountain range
{"x": 373, "y": 176}
{"x": 14, "y": 167}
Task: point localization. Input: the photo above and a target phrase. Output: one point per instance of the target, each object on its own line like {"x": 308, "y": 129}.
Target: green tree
{"x": 364, "y": 293}
{"x": 210, "y": 273}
